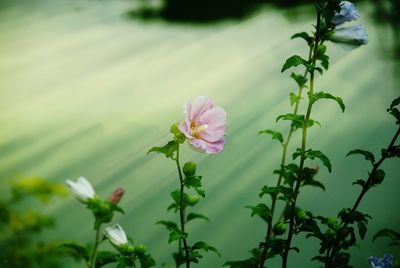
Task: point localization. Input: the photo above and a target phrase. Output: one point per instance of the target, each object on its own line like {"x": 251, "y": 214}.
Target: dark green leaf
{"x": 275, "y": 134}
{"x": 396, "y": 113}
{"x": 80, "y": 250}
{"x": 321, "y": 72}
{"x": 362, "y": 229}
{"x": 312, "y": 154}
{"x": 305, "y": 36}
{"x": 395, "y": 102}
{"x": 300, "y": 79}
{"x": 297, "y": 120}
{"x": 168, "y": 149}
{"x": 170, "y": 225}
{"x": 368, "y": 155}
{"x": 322, "y": 95}
{"x": 387, "y": 233}
{"x": 377, "y": 177}
{"x": 360, "y": 182}
{"x": 261, "y": 210}
{"x": 293, "y": 61}
{"x": 105, "y": 257}
{"x": 192, "y": 216}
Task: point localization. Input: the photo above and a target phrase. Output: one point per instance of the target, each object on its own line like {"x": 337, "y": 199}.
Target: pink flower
{"x": 204, "y": 126}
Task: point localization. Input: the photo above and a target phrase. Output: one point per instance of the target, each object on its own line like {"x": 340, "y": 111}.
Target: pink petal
{"x": 215, "y": 119}
{"x": 200, "y": 105}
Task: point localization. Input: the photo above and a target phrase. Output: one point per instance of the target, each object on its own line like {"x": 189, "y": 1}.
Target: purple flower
{"x": 385, "y": 262}
{"x": 350, "y": 37}
{"x": 348, "y": 12}
{"x": 204, "y": 125}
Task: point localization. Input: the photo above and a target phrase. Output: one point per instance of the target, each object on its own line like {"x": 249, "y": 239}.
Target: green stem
{"x": 331, "y": 256}
{"x": 303, "y": 146}
{"x": 274, "y": 197}
{"x": 94, "y": 251}
{"x": 182, "y": 212}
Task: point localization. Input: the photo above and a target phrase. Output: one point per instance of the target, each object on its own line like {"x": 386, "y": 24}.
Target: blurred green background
{"x": 87, "y": 87}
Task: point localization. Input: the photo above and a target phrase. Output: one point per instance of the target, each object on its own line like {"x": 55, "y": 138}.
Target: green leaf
{"x": 293, "y": 98}
{"x": 78, "y": 249}
{"x": 360, "y": 182}
{"x": 322, "y": 95}
{"x": 321, "y": 72}
{"x": 304, "y": 36}
{"x": 367, "y": 154}
{"x": 262, "y": 211}
{"x": 312, "y": 154}
{"x": 362, "y": 229}
{"x": 204, "y": 246}
{"x": 170, "y": 225}
{"x": 297, "y": 119}
{"x": 168, "y": 150}
{"x": 393, "y": 235}
{"x": 193, "y": 181}
{"x": 192, "y": 216}
{"x": 300, "y": 79}
{"x": 105, "y": 257}
{"x": 293, "y": 61}
{"x": 396, "y": 113}
{"x": 174, "y": 235}
{"x": 378, "y": 176}
{"x": 275, "y": 134}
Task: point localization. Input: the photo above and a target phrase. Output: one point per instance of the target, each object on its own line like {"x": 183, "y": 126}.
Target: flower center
{"x": 196, "y": 130}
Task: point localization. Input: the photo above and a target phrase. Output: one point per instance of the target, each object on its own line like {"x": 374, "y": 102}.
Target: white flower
{"x": 116, "y": 235}
{"x": 81, "y": 189}
{"x": 350, "y": 37}
{"x": 348, "y": 12}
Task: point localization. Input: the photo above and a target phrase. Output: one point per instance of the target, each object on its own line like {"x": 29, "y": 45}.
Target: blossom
{"x": 348, "y": 12}
{"x": 385, "y": 262}
{"x": 116, "y": 196}
{"x": 82, "y": 189}
{"x": 204, "y": 125}
{"x": 116, "y": 235}
{"x": 349, "y": 37}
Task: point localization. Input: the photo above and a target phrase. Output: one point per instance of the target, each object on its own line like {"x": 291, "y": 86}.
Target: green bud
{"x": 378, "y": 177}
{"x": 330, "y": 232}
{"x": 141, "y": 249}
{"x": 126, "y": 249}
{"x": 279, "y": 228}
{"x": 189, "y": 169}
{"x": 301, "y": 214}
{"x": 179, "y": 137}
{"x": 193, "y": 199}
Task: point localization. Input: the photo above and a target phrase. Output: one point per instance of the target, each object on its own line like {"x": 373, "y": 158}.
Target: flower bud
{"x": 301, "y": 214}
{"x": 279, "y": 228}
{"x": 193, "y": 199}
{"x": 116, "y": 235}
{"x": 189, "y": 169}
{"x": 82, "y": 189}
{"x": 116, "y": 196}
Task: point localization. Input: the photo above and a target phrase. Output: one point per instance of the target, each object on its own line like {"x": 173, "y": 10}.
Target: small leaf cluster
{"x": 170, "y": 149}
{"x": 103, "y": 210}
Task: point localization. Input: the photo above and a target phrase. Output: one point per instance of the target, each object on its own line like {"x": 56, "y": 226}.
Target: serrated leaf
{"x": 168, "y": 149}
{"x": 170, "y": 225}
{"x": 300, "y": 79}
{"x": 275, "y": 134}
{"x": 78, "y": 249}
{"x": 304, "y": 36}
{"x": 193, "y": 216}
{"x": 312, "y": 154}
{"x": 396, "y": 113}
{"x": 293, "y": 61}
{"x": 367, "y": 154}
{"x": 322, "y": 95}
